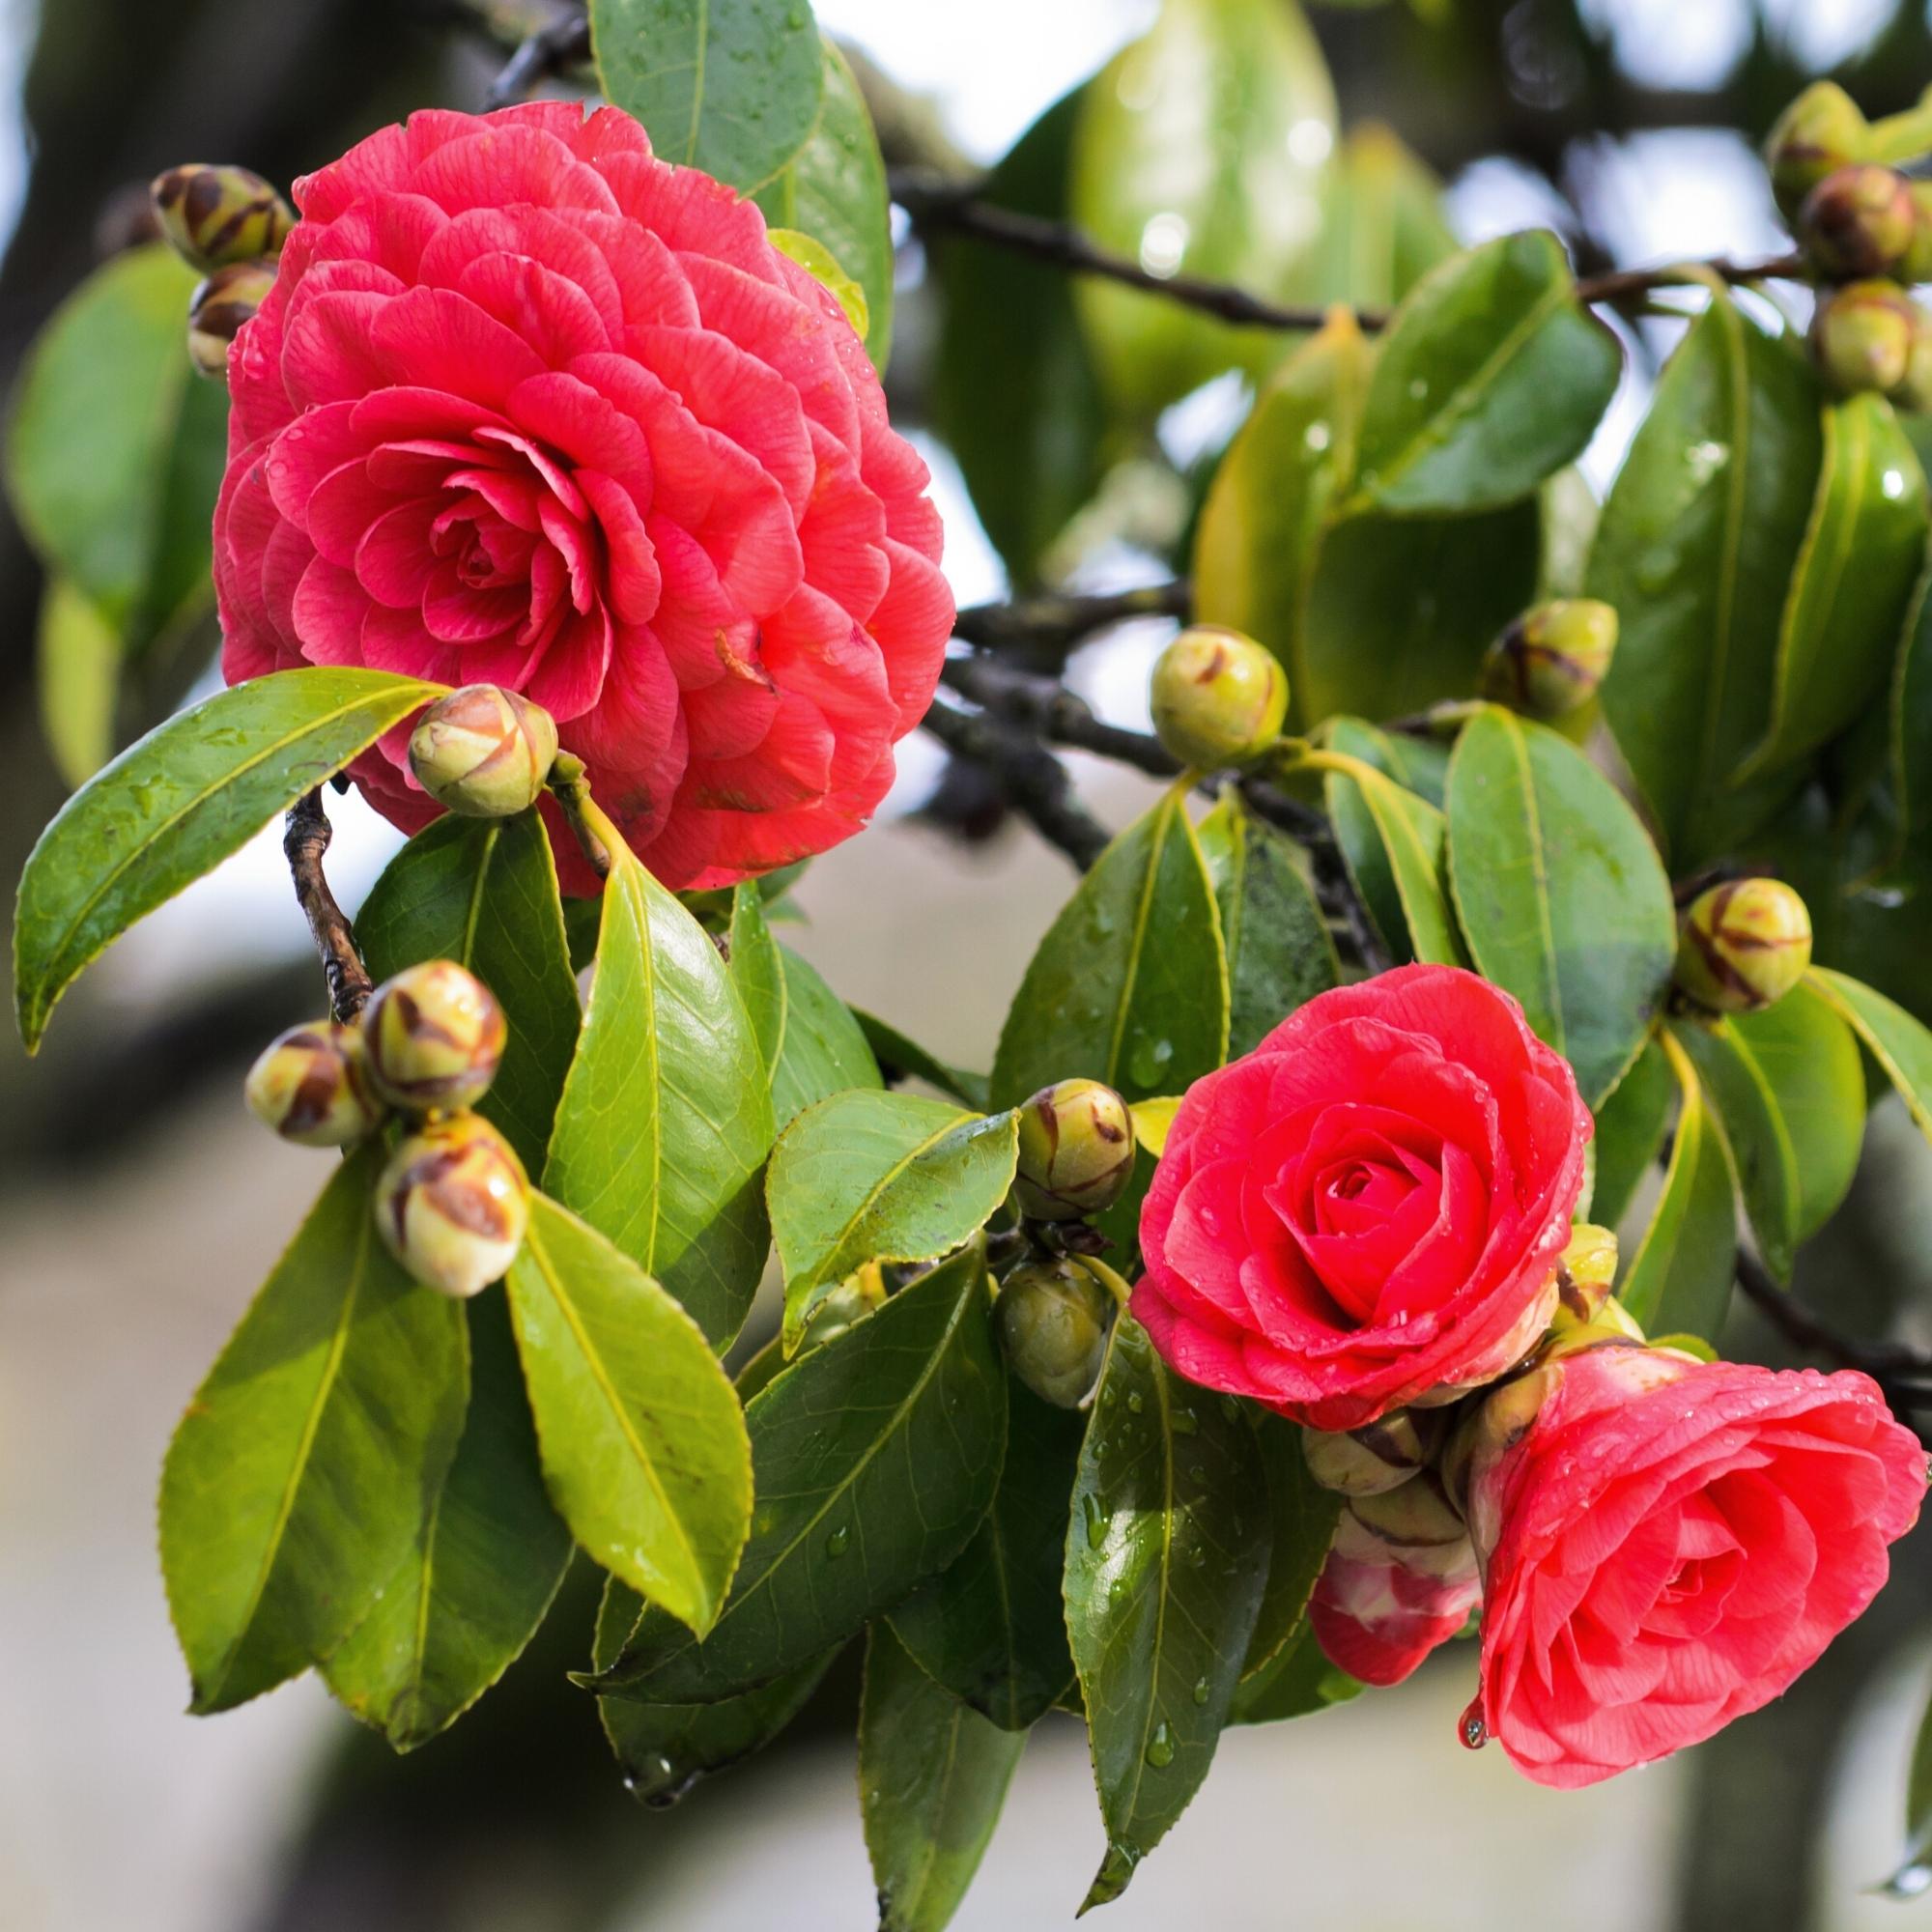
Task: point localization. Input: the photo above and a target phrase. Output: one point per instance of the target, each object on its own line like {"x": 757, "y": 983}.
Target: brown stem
{"x": 304, "y": 840}
{"x": 1054, "y": 625}
{"x": 1046, "y": 708}
{"x": 565, "y": 43}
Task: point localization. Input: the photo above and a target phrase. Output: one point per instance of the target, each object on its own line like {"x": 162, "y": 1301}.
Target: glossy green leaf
{"x": 730, "y": 86}
{"x": 1788, "y": 1088}
{"x": 1166, "y": 1561}
{"x": 1560, "y": 893}
{"x": 1901, "y": 1044}
{"x": 900, "y": 1058}
{"x": 1629, "y": 1133}
{"x": 173, "y": 807}
{"x": 932, "y": 1775}
{"x": 1015, "y": 392}
{"x": 1695, "y": 549}
{"x": 1491, "y": 377}
{"x": 1296, "y": 1683}
{"x": 1912, "y": 723}
{"x": 665, "y": 1118}
{"x": 294, "y": 1481}
{"x": 1199, "y": 149}
{"x": 834, "y": 190}
{"x": 1680, "y": 1274}
{"x": 876, "y": 1455}
{"x": 991, "y": 1627}
{"x": 822, "y": 266}
{"x": 1853, "y": 586}
{"x": 77, "y": 659}
{"x": 1131, "y": 983}
{"x": 488, "y": 1557}
{"x": 1396, "y": 846}
{"x": 1280, "y": 953}
{"x": 643, "y": 1441}
{"x": 1301, "y": 1526}
{"x": 483, "y": 892}
{"x": 867, "y": 1176}
{"x": 1382, "y": 227}
{"x": 664, "y": 1749}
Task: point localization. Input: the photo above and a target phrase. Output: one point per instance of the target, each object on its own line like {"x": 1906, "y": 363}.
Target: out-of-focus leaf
{"x": 1382, "y": 225}
{"x": 1629, "y": 1132}
{"x": 1911, "y": 724}
{"x": 902, "y": 1058}
{"x": 1297, "y": 1682}
{"x": 79, "y": 664}
{"x": 1301, "y": 1526}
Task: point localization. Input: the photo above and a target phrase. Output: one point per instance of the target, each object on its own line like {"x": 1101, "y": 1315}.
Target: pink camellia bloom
{"x": 1668, "y": 1544}
{"x": 528, "y": 406}
{"x": 1367, "y": 1210}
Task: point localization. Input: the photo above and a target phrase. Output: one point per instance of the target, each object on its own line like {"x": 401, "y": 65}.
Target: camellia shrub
{"x": 1524, "y": 872}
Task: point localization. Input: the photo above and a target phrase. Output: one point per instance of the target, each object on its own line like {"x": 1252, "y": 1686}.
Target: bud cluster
{"x": 230, "y": 224}
{"x": 452, "y": 1202}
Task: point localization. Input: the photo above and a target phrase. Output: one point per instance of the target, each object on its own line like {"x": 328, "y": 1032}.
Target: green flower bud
{"x": 218, "y": 309}
{"x": 1550, "y": 661}
{"x": 483, "y": 752}
{"x": 1611, "y": 1326}
{"x": 216, "y": 216}
{"x": 1915, "y": 393}
{"x": 1820, "y": 132}
{"x": 1371, "y": 1461}
{"x": 1076, "y": 1150}
{"x": 1861, "y": 336}
{"x": 1917, "y": 264}
{"x": 1218, "y": 698}
{"x": 1054, "y": 1317}
{"x": 434, "y": 1035}
{"x": 312, "y": 1087}
{"x": 1585, "y": 1276}
{"x": 1744, "y": 945}
{"x": 452, "y": 1204}
{"x": 1859, "y": 221}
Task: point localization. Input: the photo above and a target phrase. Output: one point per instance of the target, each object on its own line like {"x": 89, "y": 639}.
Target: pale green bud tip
{"x": 1917, "y": 264}
{"x": 1552, "y": 658}
{"x": 1218, "y": 698}
{"x": 214, "y": 216}
{"x": 1054, "y": 1317}
{"x": 1859, "y": 221}
{"x": 452, "y": 1204}
{"x": 1744, "y": 945}
{"x": 483, "y": 752}
{"x": 219, "y": 307}
{"x": 1382, "y": 1456}
{"x": 1861, "y": 336}
{"x": 1585, "y": 1276}
{"x": 1820, "y": 132}
{"x": 1076, "y": 1150}
{"x": 434, "y": 1035}
{"x": 1915, "y": 393}
{"x": 312, "y": 1087}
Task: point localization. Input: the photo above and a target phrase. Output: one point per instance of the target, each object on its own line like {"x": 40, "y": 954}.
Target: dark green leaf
{"x": 1900, "y": 1044}
{"x": 1560, "y": 893}
{"x": 730, "y": 86}
{"x": 1396, "y": 845}
{"x": 487, "y": 1558}
{"x": 932, "y": 1777}
{"x": 483, "y": 892}
{"x": 1279, "y": 951}
{"x": 1131, "y": 983}
{"x": 1301, "y": 1526}
{"x": 834, "y": 190}
{"x": 1491, "y": 377}
{"x": 1629, "y": 1132}
{"x": 1695, "y": 549}
{"x": 643, "y": 1441}
{"x": 991, "y": 1627}
{"x": 1296, "y": 1683}
{"x": 876, "y": 1455}
{"x": 298, "y": 1477}
{"x": 1166, "y": 1560}
{"x": 1911, "y": 722}
{"x": 173, "y": 807}
{"x": 1680, "y": 1274}
{"x": 665, "y": 1118}
{"x": 906, "y": 1059}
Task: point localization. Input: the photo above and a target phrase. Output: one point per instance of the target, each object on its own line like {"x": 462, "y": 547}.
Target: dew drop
{"x": 836, "y": 1543}
{"x": 1160, "y": 1747}
{"x": 1201, "y": 1689}
{"x": 1470, "y": 1728}
{"x": 1097, "y": 1520}
{"x": 1185, "y": 1422}
{"x": 1134, "y": 1402}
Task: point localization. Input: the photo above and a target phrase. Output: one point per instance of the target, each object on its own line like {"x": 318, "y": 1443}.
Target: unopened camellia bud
{"x": 1744, "y": 945}
{"x": 1915, "y": 393}
{"x": 312, "y": 1087}
{"x": 435, "y": 1034}
{"x": 452, "y": 1204}
{"x": 1585, "y": 1276}
{"x": 1917, "y": 264}
{"x": 216, "y": 216}
{"x": 1552, "y": 660}
{"x": 1861, "y": 336}
{"x": 483, "y": 752}
{"x": 1859, "y": 221}
{"x": 1219, "y": 697}
{"x": 219, "y": 306}
{"x": 1382, "y": 1456}
{"x": 1054, "y": 1317}
{"x": 1076, "y": 1150}
{"x": 1820, "y": 132}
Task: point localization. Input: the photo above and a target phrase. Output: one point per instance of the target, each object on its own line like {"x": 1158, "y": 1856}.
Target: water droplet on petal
{"x": 1470, "y": 1728}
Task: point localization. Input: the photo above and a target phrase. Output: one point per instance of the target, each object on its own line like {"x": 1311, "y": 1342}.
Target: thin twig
{"x": 304, "y": 840}
{"x": 1032, "y": 779}
{"x": 1892, "y": 1365}
{"x": 564, "y": 44}
{"x": 1054, "y": 625}
{"x": 1046, "y": 708}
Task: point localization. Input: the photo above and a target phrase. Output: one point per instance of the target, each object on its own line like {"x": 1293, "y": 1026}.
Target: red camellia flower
{"x": 1669, "y": 1544}
{"x": 528, "y": 406}
{"x": 1367, "y": 1210}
